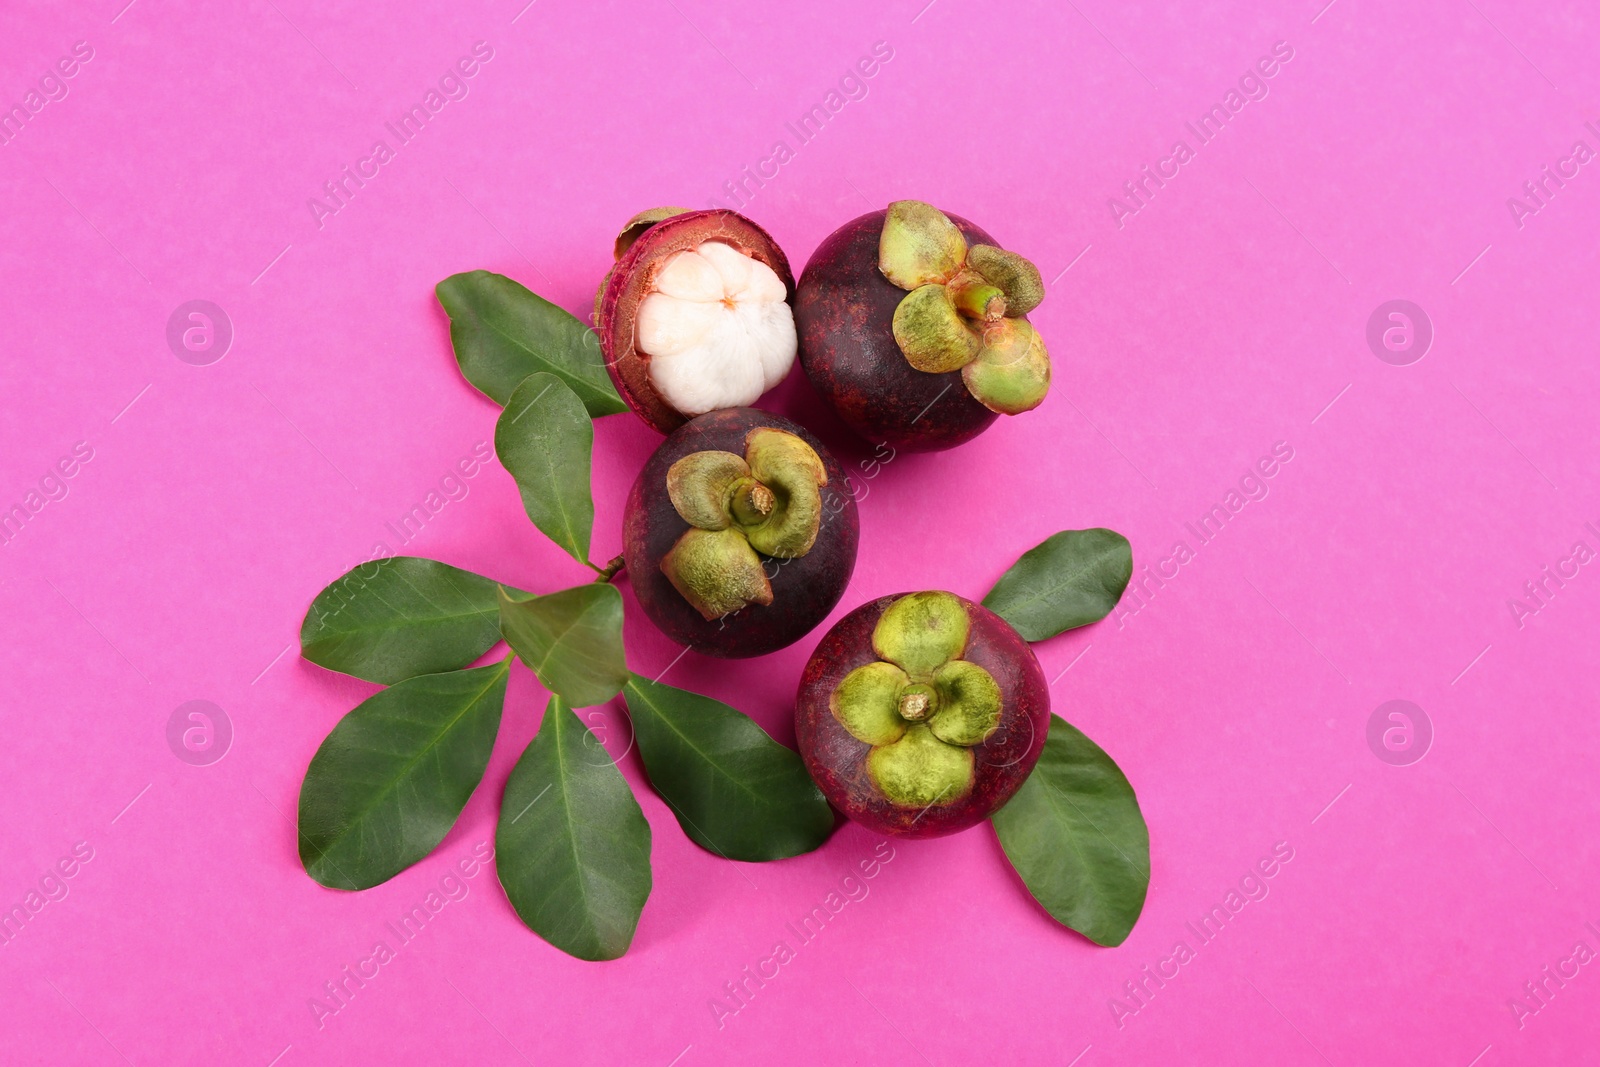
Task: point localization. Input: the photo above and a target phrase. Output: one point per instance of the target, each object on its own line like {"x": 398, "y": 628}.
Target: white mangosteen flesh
{"x": 717, "y": 329}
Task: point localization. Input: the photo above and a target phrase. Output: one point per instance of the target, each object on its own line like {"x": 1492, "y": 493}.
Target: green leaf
{"x": 1073, "y": 578}
{"x": 1075, "y": 834}
{"x": 545, "y": 438}
{"x": 573, "y": 849}
{"x": 572, "y": 640}
{"x": 395, "y": 618}
{"x": 736, "y": 791}
{"x": 391, "y": 779}
{"x": 502, "y": 333}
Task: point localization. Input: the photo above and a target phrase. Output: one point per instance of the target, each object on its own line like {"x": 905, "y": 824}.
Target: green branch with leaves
{"x": 572, "y": 848}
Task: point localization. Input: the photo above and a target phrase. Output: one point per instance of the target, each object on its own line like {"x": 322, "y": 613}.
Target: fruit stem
{"x": 914, "y": 705}
{"x": 610, "y": 570}
{"x": 976, "y": 298}
{"x": 751, "y": 504}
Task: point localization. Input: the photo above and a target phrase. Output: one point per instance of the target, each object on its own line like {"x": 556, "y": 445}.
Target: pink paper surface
{"x": 1219, "y": 315}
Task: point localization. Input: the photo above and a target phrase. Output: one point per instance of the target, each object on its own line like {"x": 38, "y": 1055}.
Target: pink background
{"x": 1228, "y": 314}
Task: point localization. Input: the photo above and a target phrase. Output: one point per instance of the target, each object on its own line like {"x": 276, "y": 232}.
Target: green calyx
{"x": 1014, "y": 276}
{"x": 636, "y": 226}
{"x": 767, "y": 502}
{"x": 717, "y": 571}
{"x": 931, "y": 332}
{"x": 920, "y": 706}
{"x": 956, "y": 297}
{"x": 1011, "y": 372}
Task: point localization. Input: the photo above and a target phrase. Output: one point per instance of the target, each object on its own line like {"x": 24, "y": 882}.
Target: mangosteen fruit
{"x": 921, "y": 714}
{"x": 739, "y": 534}
{"x": 694, "y": 315}
{"x": 913, "y": 325}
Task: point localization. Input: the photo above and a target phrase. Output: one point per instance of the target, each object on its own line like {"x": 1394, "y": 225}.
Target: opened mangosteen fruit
{"x": 921, "y": 714}
{"x": 913, "y": 324}
{"x": 695, "y": 316}
{"x": 739, "y": 534}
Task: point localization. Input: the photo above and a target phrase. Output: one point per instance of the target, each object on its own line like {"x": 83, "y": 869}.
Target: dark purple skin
{"x": 804, "y": 589}
{"x": 837, "y": 761}
{"x": 844, "y": 309}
